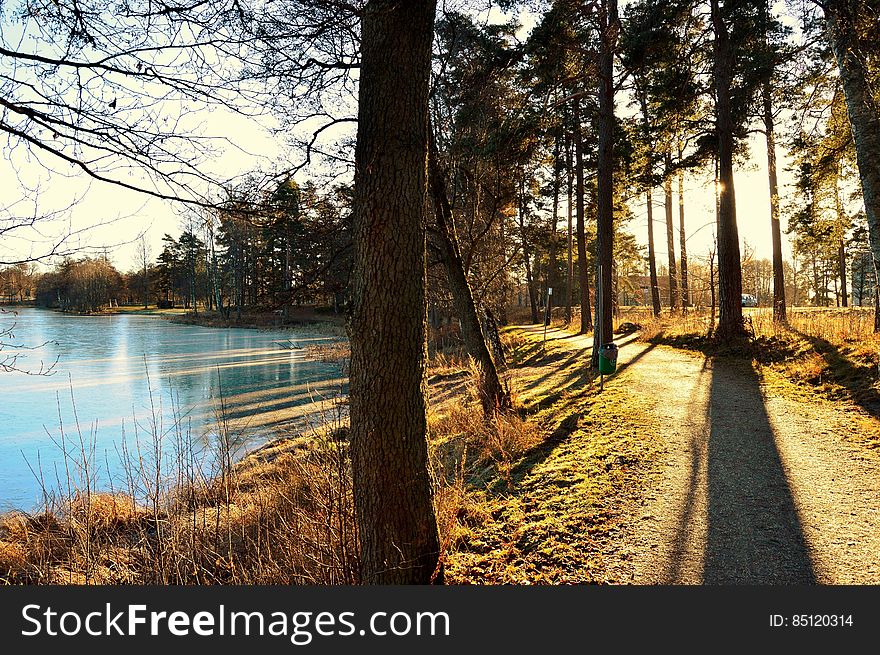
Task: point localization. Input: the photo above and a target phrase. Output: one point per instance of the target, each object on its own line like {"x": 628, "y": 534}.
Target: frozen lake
{"x": 122, "y": 380}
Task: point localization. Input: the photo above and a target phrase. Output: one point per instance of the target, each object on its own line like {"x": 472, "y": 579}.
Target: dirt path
{"x": 756, "y": 488}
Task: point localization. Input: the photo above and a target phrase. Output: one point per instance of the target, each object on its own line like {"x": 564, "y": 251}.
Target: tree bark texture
{"x": 670, "y": 239}
{"x": 652, "y": 258}
{"x": 552, "y": 274}
{"x": 492, "y": 393}
{"x": 779, "y": 309}
{"x": 730, "y": 316}
{"x": 682, "y": 239}
{"x": 569, "y": 284}
{"x": 604, "y": 331}
{"x": 526, "y": 254}
{"x": 584, "y": 275}
{"x": 863, "y": 116}
{"x": 392, "y": 487}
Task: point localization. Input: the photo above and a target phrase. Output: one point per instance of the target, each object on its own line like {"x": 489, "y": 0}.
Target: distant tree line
{"x": 82, "y": 285}
{"x": 18, "y": 282}
{"x": 290, "y": 246}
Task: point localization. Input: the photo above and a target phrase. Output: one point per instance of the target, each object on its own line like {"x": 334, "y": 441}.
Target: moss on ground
{"x": 549, "y": 520}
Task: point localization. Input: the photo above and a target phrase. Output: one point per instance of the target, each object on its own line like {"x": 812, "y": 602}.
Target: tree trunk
{"x": 530, "y": 281}
{"x": 652, "y": 260}
{"x": 670, "y": 240}
{"x": 682, "y": 238}
{"x": 389, "y": 450}
{"x": 861, "y": 281}
{"x": 552, "y": 281}
{"x": 604, "y": 332}
{"x": 492, "y": 393}
{"x": 730, "y": 317}
{"x": 569, "y": 287}
{"x": 863, "y": 116}
{"x": 712, "y": 292}
{"x": 779, "y": 309}
{"x": 876, "y": 304}
{"x": 841, "y": 245}
{"x": 586, "y": 317}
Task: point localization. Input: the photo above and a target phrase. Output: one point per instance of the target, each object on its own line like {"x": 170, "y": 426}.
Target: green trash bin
{"x": 608, "y": 358}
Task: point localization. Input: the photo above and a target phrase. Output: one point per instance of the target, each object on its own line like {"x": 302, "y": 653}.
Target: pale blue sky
{"x": 130, "y": 213}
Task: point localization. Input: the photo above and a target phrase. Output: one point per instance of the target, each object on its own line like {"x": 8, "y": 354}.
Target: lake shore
{"x": 297, "y": 318}
{"x": 125, "y": 374}
{"x": 315, "y": 319}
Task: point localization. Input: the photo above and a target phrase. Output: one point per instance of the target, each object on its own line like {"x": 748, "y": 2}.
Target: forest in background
{"x": 521, "y": 194}
{"x": 470, "y": 141}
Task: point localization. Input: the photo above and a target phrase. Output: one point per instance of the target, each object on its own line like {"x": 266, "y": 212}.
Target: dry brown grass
{"x": 836, "y": 325}
{"x": 282, "y": 515}
{"x": 448, "y": 361}
{"x": 830, "y": 350}
{"x": 334, "y": 352}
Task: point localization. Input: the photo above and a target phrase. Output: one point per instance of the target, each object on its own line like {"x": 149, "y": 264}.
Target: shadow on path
{"x": 753, "y": 532}
{"x": 678, "y": 564}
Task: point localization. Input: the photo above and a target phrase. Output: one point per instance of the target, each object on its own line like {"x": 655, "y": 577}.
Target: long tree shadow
{"x": 626, "y": 364}
{"x": 566, "y": 426}
{"x": 539, "y": 453}
{"x": 679, "y": 560}
{"x": 578, "y": 356}
{"x": 857, "y": 380}
{"x": 754, "y": 534}
{"x": 582, "y": 375}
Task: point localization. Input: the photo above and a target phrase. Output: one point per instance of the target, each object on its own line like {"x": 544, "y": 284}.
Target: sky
{"x": 752, "y": 191}
{"x": 109, "y": 218}
{"x": 112, "y": 218}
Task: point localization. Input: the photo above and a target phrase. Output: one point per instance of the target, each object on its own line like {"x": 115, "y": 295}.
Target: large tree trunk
{"x": 389, "y": 450}
{"x": 586, "y": 317}
{"x": 652, "y": 259}
{"x": 876, "y": 304}
{"x": 492, "y": 393}
{"x": 779, "y": 310}
{"x": 670, "y": 239}
{"x": 863, "y": 116}
{"x": 712, "y": 296}
{"x": 569, "y": 286}
{"x": 682, "y": 238}
{"x": 730, "y": 317}
{"x": 604, "y": 332}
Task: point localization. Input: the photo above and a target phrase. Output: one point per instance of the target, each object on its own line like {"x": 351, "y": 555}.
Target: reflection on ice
{"x": 111, "y": 367}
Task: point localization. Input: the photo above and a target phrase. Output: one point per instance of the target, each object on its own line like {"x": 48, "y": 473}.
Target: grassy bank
{"x": 553, "y": 501}
{"x": 264, "y": 320}
{"x": 297, "y": 317}
{"x": 523, "y": 497}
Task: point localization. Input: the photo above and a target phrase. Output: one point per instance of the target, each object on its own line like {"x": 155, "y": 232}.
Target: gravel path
{"x": 755, "y": 488}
